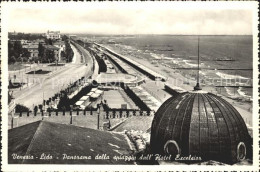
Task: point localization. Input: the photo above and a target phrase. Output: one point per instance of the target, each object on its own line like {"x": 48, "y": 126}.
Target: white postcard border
{"x": 5, "y": 7}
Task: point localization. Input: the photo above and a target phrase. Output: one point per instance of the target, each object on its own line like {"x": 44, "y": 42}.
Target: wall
{"x": 171, "y": 91}
{"x": 79, "y": 118}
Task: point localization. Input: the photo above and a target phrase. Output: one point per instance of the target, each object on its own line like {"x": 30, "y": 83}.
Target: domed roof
{"x": 200, "y": 125}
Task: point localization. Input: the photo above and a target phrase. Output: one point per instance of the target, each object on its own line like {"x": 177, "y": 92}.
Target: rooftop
{"x": 203, "y": 125}
{"x": 51, "y": 47}
{"x": 61, "y": 139}
{"x": 32, "y": 46}
{"x": 59, "y": 43}
{"x": 53, "y": 32}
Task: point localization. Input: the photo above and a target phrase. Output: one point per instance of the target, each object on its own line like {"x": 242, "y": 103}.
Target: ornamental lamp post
{"x": 71, "y": 108}
{"x": 98, "y": 117}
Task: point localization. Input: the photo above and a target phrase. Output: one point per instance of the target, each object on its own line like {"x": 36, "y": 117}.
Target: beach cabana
{"x": 93, "y": 89}
{"x": 78, "y": 103}
{"x": 90, "y": 93}
{"x": 94, "y": 96}
{"x": 84, "y": 98}
{"x": 99, "y": 91}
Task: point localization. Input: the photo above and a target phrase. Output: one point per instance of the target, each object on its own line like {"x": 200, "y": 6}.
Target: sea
{"x": 218, "y": 55}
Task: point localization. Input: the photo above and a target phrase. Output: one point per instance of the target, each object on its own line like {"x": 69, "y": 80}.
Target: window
{"x": 241, "y": 151}
{"x": 171, "y": 148}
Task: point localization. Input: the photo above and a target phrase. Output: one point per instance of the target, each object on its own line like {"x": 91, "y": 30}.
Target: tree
{"x": 41, "y": 50}
{"x": 15, "y": 51}
{"x": 63, "y": 54}
{"x": 50, "y": 55}
{"x": 28, "y": 36}
{"x": 21, "y": 108}
{"x": 35, "y": 109}
{"x": 68, "y": 51}
{"x": 10, "y": 49}
{"x": 11, "y": 60}
{"x": 40, "y": 107}
{"x": 50, "y": 41}
{"x": 18, "y": 49}
{"x": 25, "y": 53}
{"x": 35, "y": 59}
{"x": 64, "y": 102}
{"x": 64, "y": 38}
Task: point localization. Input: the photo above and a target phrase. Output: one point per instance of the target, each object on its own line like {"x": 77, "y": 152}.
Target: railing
{"x": 126, "y": 113}
{"x": 78, "y": 118}
{"x": 147, "y": 71}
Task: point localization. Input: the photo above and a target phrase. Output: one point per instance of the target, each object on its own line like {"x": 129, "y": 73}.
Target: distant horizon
{"x": 133, "y": 34}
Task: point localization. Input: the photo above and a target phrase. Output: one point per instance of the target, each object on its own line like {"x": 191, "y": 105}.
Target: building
{"x": 12, "y": 33}
{"x": 26, "y": 43}
{"x": 60, "y": 45}
{"x": 202, "y": 126}
{"x": 198, "y": 126}
{"x": 72, "y": 36}
{"x": 32, "y": 46}
{"x": 53, "y": 35}
{"x": 55, "y": 50}
{"x": 33, "y": 49}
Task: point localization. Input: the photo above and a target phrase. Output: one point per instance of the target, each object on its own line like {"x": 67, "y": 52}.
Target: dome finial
{"x": 197, "y": 87}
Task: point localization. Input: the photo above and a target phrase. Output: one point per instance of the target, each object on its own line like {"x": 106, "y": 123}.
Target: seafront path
{"x": 90, "y": 61}
{"x": 45, "y": 86}
{"x": 176, "y": 78}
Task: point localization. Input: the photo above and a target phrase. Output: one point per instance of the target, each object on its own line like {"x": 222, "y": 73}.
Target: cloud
{"x": 131, "y": 21}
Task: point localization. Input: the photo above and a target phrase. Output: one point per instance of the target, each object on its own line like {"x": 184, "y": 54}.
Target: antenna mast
{"x": 197, "y": 87}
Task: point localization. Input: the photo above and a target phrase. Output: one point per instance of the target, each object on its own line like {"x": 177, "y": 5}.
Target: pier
{"x": 141, "y": 68}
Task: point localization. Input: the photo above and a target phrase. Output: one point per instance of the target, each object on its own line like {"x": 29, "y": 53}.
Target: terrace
{"x": 31, "y": 140}
{"x": 115, "y": 99}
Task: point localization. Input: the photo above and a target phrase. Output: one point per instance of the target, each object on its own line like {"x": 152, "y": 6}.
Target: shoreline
{"x": 244, "y": 108}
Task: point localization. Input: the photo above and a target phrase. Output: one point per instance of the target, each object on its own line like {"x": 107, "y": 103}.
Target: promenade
{"x": 46, "y": 86}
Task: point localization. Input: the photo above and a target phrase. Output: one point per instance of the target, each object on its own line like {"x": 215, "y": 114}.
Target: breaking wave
{"x": 243, "y": 94}
{"x": 228, "y": 76}
{"x": 156, "y": 56}
{"x": 229, "y": 91}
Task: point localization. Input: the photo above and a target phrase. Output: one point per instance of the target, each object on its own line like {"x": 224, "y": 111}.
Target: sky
{"x": 131, "y": 21}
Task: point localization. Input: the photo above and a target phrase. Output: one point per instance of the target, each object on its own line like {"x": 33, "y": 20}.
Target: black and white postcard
{"x": 129, "y": 86}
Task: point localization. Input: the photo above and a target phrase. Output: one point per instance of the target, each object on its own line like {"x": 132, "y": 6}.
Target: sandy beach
{"x": 177, "y": 78}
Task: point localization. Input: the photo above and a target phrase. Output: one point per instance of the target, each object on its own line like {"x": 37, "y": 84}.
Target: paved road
{"x": 90, "y": 61}
{"x": 47, "y": 86}
{"x": 77, "y": 56}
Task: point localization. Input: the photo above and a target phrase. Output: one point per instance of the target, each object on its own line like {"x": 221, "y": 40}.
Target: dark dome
{"x": 201, "y": 125}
